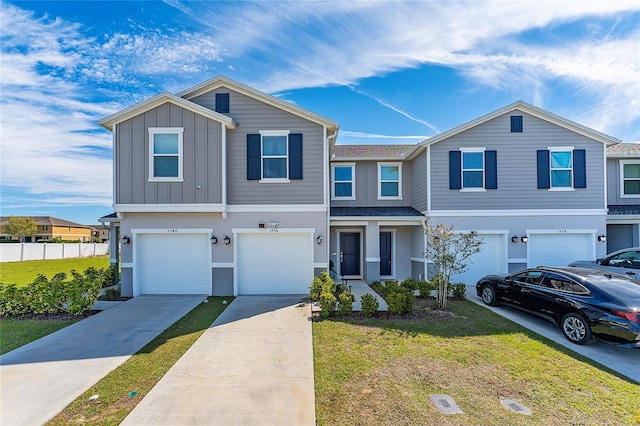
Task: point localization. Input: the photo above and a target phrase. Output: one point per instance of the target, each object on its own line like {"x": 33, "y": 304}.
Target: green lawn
{"x": 140, "y": 372}
{"x": 23, "y": 273}
{"x": 15, "y": 333}
{"x": 382, "y": 371}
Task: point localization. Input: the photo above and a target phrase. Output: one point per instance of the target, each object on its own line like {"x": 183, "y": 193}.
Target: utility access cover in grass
{"x": 516, "y": 407}
{"x": 445, "y": 404}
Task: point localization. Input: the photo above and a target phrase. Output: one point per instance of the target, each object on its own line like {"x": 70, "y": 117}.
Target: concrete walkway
{"x": 621, "y": 360}
{"x": 41, "y": 378}
{"x": 253, "y": 366}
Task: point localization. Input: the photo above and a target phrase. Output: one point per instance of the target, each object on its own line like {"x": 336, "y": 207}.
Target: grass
{"x": 141, "y": 371}
{"x": 23, "y": 273}
{"x": 17, "y": 332}
{"x": 382, "y": 371}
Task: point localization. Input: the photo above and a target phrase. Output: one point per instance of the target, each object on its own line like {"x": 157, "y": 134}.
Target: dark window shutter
{"x": 579, "y": 168}
{"x": 253, "y": 157}
{"x": 222, "y": 102}
{"x": 490, "y": 170}
{"x": 295, "y": 156}
{"x": 455, "y": 170}
{"x": 544, "y": 179}
{"x": 516, "y": 124}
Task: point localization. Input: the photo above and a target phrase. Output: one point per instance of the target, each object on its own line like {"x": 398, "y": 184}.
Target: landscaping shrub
{"x": 345, "y": 303}
{"x": 369, "y": 305}
{"x": 13, "y": 300}
{"x": 327, "y": 303}
{"x": 400, "y": 302}
{"x": 458, "y": 291}
{"x": 321, "y": 284}
{"x": 425, "y": 288}
{"x": 377, "y": 287}
{"x": 46, "y": 296}
{"x": 410, "y": 284}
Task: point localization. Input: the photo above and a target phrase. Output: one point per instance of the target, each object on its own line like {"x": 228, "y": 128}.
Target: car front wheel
{"x": 575, "y": 328}
{"x": 489, "y": 295}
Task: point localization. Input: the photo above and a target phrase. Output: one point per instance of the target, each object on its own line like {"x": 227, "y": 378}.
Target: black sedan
{"x": 584, "y": 302}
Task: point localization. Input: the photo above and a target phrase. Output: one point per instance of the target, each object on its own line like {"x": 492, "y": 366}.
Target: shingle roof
{"x": 365, "y": 152}
{"x": 48, "y": 220}
{"x": 624, "y": 149}
{"x": 374, "y": 211}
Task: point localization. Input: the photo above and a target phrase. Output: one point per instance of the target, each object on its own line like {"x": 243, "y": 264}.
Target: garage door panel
{"x": 274, "y": 263}
{"x": 490, "y": 260}
{"x": 173, "y": 264}
{"x": 559, "y": 249}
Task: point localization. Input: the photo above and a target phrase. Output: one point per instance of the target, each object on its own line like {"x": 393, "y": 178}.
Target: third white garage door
{"x": 560, "y": 249}
{"x": 492, "y": 259}
{"x": 274, "y": 263}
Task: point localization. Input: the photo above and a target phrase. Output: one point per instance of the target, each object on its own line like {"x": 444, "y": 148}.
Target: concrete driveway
{"x": 41, "y": 378}
{"x": 253, "y": 366}
{"x": 623, "y": 361}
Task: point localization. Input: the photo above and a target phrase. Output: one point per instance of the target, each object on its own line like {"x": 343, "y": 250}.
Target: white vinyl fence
{"x": 11, "y": 252}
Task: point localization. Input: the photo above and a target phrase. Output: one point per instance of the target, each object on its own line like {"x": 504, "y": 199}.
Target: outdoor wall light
{"x": 214, "y": 239}
{"x": 515, "y": 239}
{"x": 126, "y": 239}
{"x": 227, "y": 240}
{"x": 602, "y": 238}
{"x": 319, "y": 239}
{"x": 524, "y": 239}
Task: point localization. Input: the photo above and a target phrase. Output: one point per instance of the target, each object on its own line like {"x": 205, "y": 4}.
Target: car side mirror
{"x": 599, "y": 261}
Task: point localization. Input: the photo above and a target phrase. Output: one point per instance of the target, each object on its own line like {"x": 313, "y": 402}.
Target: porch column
{"x": 372, "y": 252}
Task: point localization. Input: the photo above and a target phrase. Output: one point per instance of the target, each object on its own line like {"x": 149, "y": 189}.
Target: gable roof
{"x": 526, "y": 108}
{"x": 624, "y": 150}
{"x": 222, "y": 81}
{"x": 48, "y": 220}
{"x": 109, "y": 121}
{"x": 371, "y": 152}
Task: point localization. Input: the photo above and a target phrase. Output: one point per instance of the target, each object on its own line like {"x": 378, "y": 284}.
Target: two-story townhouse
{"x": 48, "y": 227}
{"x": 220, "y": 189}
{"x": 623, "y": 196}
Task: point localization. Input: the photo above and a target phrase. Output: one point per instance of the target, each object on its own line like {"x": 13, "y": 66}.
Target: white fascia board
{"x": 541, "y": 212}
{"x": 276, "y": 208}
{"x": 623, "y": 218}
{"x": 168, "y": 208}
{"x": 385, "y": 219}
{"x": 164, "y": 97}
{"x": 220, "y": 81}
{"x": 172, "y": 231}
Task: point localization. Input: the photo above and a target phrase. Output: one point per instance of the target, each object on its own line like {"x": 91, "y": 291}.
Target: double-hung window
{"x": 630, "y": 178}
{"x": 472, "y": 168}
{"x": 165, "y": 154}
{"x": 389, "y": 181}
{"x": 562, "y": 168}
{"x": 343, "y": 186}
{"x": 274, "y": 156}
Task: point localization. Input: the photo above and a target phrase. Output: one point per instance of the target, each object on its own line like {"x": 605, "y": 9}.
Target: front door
{"x": 385, "y": 254}
{"x": 350, "y": 253}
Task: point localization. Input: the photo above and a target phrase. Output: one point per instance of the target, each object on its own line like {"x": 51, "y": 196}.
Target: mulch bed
{"x": 423, "y": 308}
{"x": 49, "y": 317}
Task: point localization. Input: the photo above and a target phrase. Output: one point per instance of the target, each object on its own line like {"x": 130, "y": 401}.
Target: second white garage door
{"x": 274, "y": 263}
{"x": 560, "y": 249}
{"x": 492, "y": 259}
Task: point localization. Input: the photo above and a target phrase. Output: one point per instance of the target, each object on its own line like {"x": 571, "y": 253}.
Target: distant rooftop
{"x": 623, "y": 150}
{"x": 47, "y": 220}
{"x": 365, "y": 152}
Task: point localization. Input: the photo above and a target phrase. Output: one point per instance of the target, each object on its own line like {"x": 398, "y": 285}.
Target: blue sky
{"x": 387, "y": 72}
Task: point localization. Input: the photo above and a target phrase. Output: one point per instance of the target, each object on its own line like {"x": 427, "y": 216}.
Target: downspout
{"x": 327, "y": 189}
{"x": 224, "y": 171}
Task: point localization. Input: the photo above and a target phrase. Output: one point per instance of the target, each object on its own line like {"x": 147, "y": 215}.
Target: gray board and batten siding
{"x": 366, "y": 188}
{"x": 516, "y": 167}
{"x": 251, "y": 116}
{"x": 201, "y": 155}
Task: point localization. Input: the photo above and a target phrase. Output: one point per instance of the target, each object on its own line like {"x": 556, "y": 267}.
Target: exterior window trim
{"x": 390, "y": 164}
{"x": 353, "y": 181}
{"x": 462, "y": 170}
{"x": 264, "y": 133}
{"x": 622, "y": 179}
{"x": 166, "y": 130}
{"x": 551, "y": 150}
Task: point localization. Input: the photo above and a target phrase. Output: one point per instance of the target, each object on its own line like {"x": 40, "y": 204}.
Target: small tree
{"x": 18, "y": 226}
{"x": 449, "y": 251}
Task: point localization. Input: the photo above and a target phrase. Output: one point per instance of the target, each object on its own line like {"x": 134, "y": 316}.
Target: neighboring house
{"x": 623, "y": 196}
{"x": 220, "y": 189}
{"x": 100, "y": 232}
{"x": 51, "y": 227}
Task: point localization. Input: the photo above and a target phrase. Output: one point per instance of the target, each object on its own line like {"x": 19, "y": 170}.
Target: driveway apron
{"x": 41, "y": 378}
{"x": 253, "y": 366}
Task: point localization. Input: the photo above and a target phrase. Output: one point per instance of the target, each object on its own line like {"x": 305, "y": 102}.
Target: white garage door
{"x": 492, "y": 259}
{"x": 173, "y": 264}
{"x": 274, "y": 263}
{"x": 559, "y": 249}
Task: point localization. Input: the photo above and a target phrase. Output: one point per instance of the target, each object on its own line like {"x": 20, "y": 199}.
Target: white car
{"x": 625, "y": 261}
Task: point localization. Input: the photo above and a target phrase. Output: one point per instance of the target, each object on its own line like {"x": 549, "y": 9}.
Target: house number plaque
{"x": 172, "y": 230}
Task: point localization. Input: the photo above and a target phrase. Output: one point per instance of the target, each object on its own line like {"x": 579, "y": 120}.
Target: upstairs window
{"x": 222, "y": 103}
{"x": 473, "y": 169}
{"x": 516, "y": 124}
{"x": 165, "y": 154}
{"x": 389, "y": 181}
{"x": 562, "y": 168}
{"x": 343, "y": 186}
{"x": 274, "y": 156}
{"x": 630, "y": 179}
